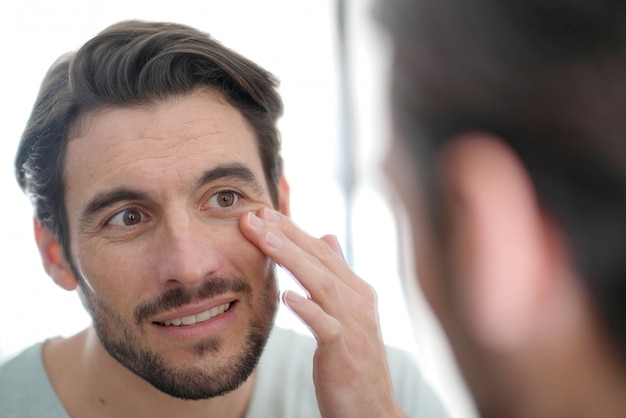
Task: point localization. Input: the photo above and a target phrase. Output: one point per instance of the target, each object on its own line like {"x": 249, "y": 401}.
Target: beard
{"x": 192, "y": 381}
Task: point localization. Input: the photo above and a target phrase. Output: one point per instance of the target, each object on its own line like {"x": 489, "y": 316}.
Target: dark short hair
{"x": 137, "y": 63}
{"x": 549, "y": 79}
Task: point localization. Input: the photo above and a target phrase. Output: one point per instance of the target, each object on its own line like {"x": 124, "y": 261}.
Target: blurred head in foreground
{"x": 509, "y": 155}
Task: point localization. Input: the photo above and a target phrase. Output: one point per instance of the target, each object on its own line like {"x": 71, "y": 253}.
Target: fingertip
{"x": 254, "y": 220}
{"x": 296, "y": 303}
{"x": 273, "y": 241}
{"x": 270, "y": 215}
{"x": 291, "y": 297}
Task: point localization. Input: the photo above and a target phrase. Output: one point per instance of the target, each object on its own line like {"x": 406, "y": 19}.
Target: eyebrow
{"x": 103, "y": 200}
{"x": 227, "y": 171}
{"x": 234, "y": 171}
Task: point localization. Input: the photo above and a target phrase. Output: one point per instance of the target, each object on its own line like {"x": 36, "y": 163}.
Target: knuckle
{"x": 327, "y": 286}
{"x": 368, "y": 297}
{"x": 370, "y": 294}
{"x": 323, "y": 251}
{"x": 334, "y": 333}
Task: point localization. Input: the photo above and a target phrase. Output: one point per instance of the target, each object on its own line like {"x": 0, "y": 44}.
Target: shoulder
{"x": 412, "y": 391}
{"x": 23, "y": 367}
{"x": 25, "y": 390}
{"x": 284, "y": 380}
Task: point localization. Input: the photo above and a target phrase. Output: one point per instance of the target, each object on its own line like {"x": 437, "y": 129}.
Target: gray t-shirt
{"x": 284, "y": 385}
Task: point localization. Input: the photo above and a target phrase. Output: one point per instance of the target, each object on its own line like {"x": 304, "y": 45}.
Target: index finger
{"x": 314, "y": 250}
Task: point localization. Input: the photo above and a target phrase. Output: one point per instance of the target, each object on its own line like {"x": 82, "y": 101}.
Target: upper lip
{"x": 194, "y": 308}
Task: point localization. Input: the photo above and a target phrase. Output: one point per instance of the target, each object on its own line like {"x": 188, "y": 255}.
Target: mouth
{"x": 197, "y": 318}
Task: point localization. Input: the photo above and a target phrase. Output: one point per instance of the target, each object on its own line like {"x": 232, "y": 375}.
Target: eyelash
{"x": 237, "y": 197}
{"x": 144, "y": 217}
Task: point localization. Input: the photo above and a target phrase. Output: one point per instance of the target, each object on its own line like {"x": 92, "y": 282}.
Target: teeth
{"x": 201, "y": 317}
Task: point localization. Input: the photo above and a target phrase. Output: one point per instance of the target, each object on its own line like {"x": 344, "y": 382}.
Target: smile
{"x": 196, "y": 319}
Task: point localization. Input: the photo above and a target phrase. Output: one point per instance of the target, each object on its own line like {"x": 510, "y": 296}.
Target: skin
{"x": 503, "y": 286}
{"x": 350, "y": 369}
{"x": 151, "y": 232}
{"x": 128, "y": 254}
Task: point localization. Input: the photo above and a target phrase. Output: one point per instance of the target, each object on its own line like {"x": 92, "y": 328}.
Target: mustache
{"x": 181, "y": 296}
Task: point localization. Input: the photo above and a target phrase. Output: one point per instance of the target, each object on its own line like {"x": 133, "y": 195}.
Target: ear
{"x": 283, "y": 196}
{"x": 502, "y": 245}
{"x": 53, "y": 258}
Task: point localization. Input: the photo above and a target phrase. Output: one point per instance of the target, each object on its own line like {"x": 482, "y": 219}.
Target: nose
{"x": 189, "y": 252}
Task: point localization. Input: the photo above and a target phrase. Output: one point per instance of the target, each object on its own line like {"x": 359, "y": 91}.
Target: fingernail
{"x": 271, "y": 215}
{"x": 273, "y": 241}
{"x": 290, "y": 296}
{"x": 254, "y": 220}
{"x": 291, "y": 300}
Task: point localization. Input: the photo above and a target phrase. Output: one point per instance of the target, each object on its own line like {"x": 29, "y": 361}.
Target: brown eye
{"x": 226, "y": 199}
{"x": 131, "y": 217}
{"x": 128, "y": 217}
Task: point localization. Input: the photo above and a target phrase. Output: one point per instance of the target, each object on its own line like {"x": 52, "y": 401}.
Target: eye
{"x": 224, "y": 199}
{"x": 128, "y": 217}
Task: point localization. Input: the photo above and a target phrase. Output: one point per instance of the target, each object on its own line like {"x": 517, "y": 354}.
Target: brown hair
{"x": 548, "y": 78}
{"x": 137, "y": 63}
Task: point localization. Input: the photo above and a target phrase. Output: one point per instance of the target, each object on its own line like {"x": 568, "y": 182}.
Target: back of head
{"x": 134, "y": 64}
{"x": 549, "y": 79}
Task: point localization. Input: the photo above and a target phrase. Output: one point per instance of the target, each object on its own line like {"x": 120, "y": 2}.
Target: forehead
{"x": 152, "y": 146}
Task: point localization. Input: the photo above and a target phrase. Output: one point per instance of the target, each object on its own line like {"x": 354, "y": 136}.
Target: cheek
{"x": 432, "y": 266}
{"x": 424, "y": 258}
{"x": 113, "y": 274}
{"x": 244, "y": 256}
{"x": 128, "y": 272}
{"x": 419, "y": 243}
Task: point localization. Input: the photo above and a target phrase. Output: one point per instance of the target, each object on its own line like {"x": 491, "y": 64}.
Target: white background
{"x": 297, "y": 41}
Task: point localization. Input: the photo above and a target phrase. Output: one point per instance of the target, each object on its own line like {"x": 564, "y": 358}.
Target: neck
{"x": 109, "y": 389}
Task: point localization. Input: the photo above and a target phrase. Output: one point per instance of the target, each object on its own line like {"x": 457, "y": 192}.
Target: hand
{"x": 350, "y": 369}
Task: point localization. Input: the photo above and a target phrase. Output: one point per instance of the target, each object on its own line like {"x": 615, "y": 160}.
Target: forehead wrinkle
{"x": 151, "y": 148}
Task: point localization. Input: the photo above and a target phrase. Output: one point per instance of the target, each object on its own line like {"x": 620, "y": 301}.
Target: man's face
{"x": 154, "y": 196}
